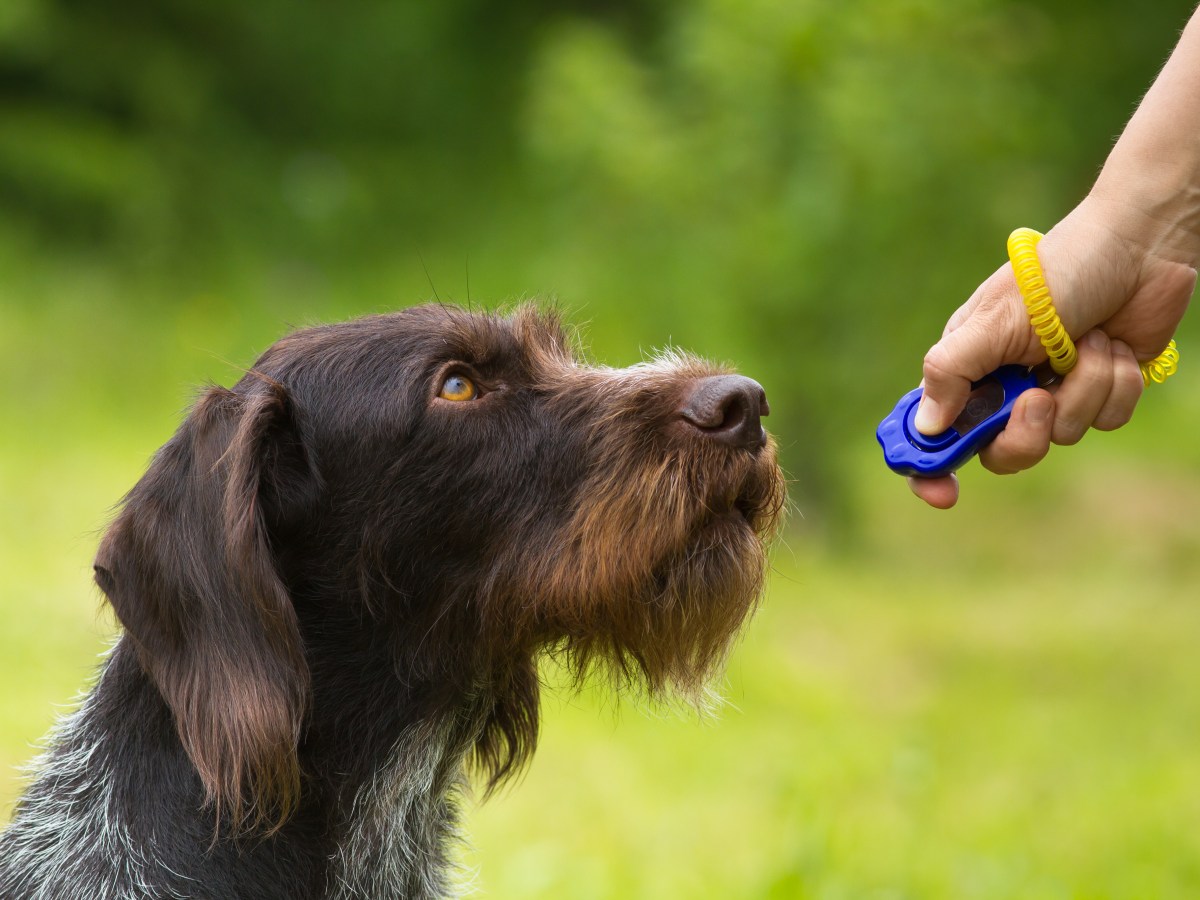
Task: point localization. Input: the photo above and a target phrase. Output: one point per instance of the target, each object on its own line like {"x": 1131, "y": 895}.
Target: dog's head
{"x": 475, "y": 493}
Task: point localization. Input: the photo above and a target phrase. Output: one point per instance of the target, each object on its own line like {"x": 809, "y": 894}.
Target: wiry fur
{"x": 335, "y": 586}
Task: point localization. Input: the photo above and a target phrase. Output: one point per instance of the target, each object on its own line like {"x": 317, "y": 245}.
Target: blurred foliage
{"x": 805, "y": 188}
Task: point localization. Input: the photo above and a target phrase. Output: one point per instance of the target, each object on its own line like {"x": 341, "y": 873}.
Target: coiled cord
{"x": 1031, "y": 282}
{"x": 1158, "y": 370}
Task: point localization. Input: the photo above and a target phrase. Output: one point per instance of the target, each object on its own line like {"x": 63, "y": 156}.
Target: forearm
{"x": 1153, "y": 171}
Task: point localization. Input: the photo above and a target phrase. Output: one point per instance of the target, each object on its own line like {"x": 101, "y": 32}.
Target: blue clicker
{"x": 908, "y": 452}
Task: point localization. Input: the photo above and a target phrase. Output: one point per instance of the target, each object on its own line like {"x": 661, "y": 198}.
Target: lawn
{"x": 1025, "y": 733}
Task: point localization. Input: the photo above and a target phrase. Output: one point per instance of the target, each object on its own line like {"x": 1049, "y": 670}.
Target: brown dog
{"x": 336, "y": 579}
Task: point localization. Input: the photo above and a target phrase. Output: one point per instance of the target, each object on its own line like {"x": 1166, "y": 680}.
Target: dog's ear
{"x": 188, "y": 567}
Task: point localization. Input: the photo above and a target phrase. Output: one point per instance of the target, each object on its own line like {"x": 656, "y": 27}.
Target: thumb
{"x": 978, "y": 345}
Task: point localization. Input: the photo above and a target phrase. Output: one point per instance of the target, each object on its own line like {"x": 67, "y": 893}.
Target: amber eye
{"x": 458, "y": 387}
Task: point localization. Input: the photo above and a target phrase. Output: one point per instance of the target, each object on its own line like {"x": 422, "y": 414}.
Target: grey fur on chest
{"x": 72, "y": 838}
{"x": 403, "y": 822}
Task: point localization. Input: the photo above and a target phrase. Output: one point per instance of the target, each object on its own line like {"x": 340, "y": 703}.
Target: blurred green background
{"x": 995, "y": 702}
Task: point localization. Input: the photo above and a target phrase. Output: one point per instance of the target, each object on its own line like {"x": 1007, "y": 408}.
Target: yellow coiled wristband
{"x": 1031, "y": 282}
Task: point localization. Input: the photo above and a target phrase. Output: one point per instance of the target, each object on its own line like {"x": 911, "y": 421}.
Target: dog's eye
{"x": 458, "y": 387}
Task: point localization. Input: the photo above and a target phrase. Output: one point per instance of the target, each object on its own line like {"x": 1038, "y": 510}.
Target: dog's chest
{"x": 402, "y": 823}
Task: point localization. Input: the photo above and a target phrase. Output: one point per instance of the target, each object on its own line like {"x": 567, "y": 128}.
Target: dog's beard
{"x": 672, "y": 635}
{"x": 650, "y": 584}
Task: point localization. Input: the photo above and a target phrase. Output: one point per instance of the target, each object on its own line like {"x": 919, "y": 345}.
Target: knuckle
{"x": 1121, "y": 405}
{"x": 996, "y": 466}
{"x": 1067, "y": 432}
{"x": 1114, "y": 419}
{"x": 1094, "y": 373}
{"x": 1127, "y": 378}
{"x": 1014, "y": 454}
{"x": 936, "y": 367}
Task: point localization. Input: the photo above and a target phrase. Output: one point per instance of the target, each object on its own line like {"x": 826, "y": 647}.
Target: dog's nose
{"x": 727, "y": 408}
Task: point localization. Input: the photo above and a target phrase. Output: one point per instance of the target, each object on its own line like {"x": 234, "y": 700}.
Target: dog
{"x": 335, "y": 582}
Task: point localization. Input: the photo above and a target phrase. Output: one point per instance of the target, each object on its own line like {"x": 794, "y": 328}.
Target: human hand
{"x": 1107, "y": 284}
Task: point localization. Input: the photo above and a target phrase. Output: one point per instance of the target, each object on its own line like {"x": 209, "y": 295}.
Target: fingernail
{"x": 1038, "y": 409}
{"x": 928, "y": 419}
{"x": 1097, "y": 340}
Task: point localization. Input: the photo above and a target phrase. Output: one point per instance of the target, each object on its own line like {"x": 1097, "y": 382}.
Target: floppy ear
{"x": 188, "y": 568}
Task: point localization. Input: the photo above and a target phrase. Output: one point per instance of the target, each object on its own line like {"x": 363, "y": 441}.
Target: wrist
{"x": 1111, "y": 264}
{"x": 1091, "y": 264}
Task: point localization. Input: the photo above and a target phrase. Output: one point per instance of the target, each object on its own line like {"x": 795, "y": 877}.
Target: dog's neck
{"x": 384, "y": 759}
{"x": 376, "y": 818}
{"x": 395, "y": 834}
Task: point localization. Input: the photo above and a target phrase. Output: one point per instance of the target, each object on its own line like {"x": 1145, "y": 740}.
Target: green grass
{"x": 995, "y": 702}
{"x": 969, "y": 740}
